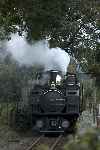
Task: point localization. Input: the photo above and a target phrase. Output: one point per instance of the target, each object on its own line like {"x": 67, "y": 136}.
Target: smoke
{"x": 37, "y": 53}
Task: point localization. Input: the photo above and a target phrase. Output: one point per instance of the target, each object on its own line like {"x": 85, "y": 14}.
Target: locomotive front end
{"x": 57, "y": 107}
{"x": 52, "y": 101}
{"x": 53, "y": 104}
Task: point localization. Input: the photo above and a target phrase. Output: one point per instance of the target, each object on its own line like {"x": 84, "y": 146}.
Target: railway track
{"x": 56, "y": 142}
{"x": 34, "y": 143}
{"x": 53, "y": 143}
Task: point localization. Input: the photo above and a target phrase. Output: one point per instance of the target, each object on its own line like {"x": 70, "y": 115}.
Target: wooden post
{"x": 0, "y": 109}
{"x": 94, "y": 107}
{"x": 98, "y": 116}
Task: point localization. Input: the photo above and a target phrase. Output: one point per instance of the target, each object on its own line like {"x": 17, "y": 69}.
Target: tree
{"x": 73, "y": 25}
{"x": 58, "y": 19}
{"x": 13, "y": 78}
{"x": 10, "y": 85}
{"x": 87, "y": 141}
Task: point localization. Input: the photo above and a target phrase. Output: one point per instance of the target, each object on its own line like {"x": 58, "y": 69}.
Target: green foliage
{"x": 95, "y": 69}
{"x": 5, "y": 109}
{"x": 89, "y": 141}
{"x": 9, "y": 83}
{"x": 73, "y": 25}
{"x": 13, "y": 78}
{"x": 98, "y": 93}
{"x": 42, "y": 147}
{"x": 58, "y": 19}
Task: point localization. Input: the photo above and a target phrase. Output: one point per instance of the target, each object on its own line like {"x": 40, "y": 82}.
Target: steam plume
{"x": 38, "y": 53}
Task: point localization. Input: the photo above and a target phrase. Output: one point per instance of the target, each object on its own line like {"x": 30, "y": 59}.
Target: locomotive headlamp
{"x": 53, "y": 85}
{"x": 58, "y": 79}
{"x": 39, "y": 123}
{"x": 65, "y": 124}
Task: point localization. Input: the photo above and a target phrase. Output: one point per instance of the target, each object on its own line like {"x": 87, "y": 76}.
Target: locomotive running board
{"x": 55, "y": 114}
{"x": 46, "y": 131}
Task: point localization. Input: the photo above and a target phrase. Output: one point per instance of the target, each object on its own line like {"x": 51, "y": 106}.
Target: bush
{"x": 89, "y": 141}
{"x": 42, "y": 147}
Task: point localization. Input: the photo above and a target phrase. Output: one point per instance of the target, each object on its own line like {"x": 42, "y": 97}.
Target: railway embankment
{"x": 86, "y": 132}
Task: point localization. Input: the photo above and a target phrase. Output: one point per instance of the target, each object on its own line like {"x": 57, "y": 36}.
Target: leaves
{"x": 88, "y": 141}
{"x": 73, "y": 25}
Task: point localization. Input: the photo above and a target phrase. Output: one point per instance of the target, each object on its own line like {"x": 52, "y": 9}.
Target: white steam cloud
{"x": 38, "y": 53}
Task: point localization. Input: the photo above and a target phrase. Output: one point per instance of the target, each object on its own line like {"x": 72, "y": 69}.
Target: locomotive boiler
{"x": 54, "y": 103}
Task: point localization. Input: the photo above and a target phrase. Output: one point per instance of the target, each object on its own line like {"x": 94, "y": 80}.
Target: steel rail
{"x": 56, "y": 142}
{"x": 34, "y": 143}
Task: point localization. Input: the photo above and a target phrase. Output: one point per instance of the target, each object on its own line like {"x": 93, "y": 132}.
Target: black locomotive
{"x": 54, "y": 103}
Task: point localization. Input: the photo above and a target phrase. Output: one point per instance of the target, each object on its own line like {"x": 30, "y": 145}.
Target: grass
{"x": 42, "y": 147}
{"x": 87, "y": 141}
{"x": 4, "y": 112}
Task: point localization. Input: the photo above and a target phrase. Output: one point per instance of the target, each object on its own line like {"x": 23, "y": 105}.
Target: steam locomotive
{"x": 54, "y": 104}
